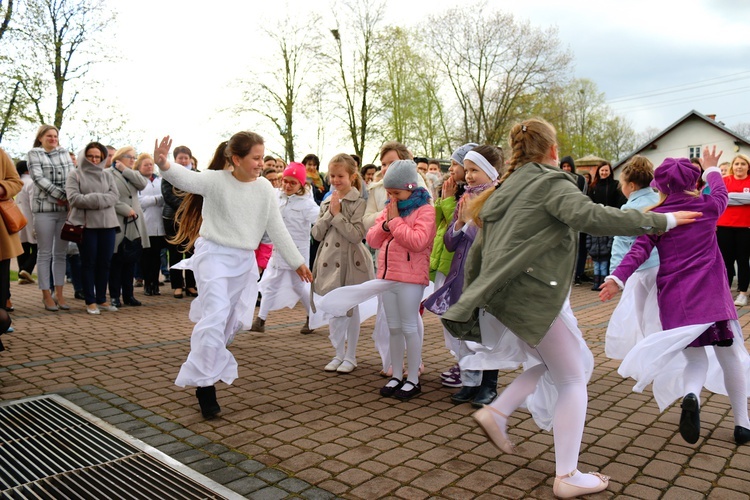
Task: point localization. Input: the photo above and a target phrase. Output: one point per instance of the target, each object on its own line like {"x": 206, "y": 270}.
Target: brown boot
{"x": 306, "y": 329}
{"x": 259, "y": 325}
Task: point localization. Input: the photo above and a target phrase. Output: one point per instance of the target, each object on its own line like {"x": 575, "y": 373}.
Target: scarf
{"x": 418, "y": 197}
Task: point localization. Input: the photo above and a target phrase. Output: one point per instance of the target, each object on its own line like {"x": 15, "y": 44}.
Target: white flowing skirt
{"x": 636, "y": 316}
{"x": 337, "y": 302}
{"x": 501, "y": 349}
{"x": 281, "y": 288}
{"x": 227, "y": 279}
{"x": 660, "y": 358}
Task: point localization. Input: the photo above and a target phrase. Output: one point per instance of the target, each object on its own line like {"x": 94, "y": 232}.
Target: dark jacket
{"x": 172, "y": 199}
{"x": 599, "y": 247}
{"x": 607, "y": 192}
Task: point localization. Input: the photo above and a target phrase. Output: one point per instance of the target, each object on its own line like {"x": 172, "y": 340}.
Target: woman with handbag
{"x": 49, "y": 166}
{"x": 133, "y": 235}
{"x": 92, "y": 195}
{"x": 10, "y": 244}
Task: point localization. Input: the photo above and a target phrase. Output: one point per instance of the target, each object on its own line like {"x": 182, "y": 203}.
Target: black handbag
{"x": 130, "y": 250}
{"x": 72, "y": 232}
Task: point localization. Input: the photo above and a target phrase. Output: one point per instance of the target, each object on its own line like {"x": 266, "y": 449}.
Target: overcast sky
{"x": 174, "y": 61}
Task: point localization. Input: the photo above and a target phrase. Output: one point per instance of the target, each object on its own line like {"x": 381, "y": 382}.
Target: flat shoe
{"x": 690, "y": 419}
{"x": 741, "y": 435}
{"x": 487, "y": 422}
{"x": 333, "y": 365}
{"x": 346, "y": 367}
{"x": 407, "y": 394}
{"x": 561, "y": 489}
{"x": 387, "y": 392}
{"x": 63, "y": 307}
{"x": 93, "y": 311}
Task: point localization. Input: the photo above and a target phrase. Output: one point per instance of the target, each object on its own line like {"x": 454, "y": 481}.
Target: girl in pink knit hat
{"x": 280, "y": 286}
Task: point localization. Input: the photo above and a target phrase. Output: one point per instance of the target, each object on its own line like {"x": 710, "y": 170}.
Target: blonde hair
{"x": 122, "y": 152}
{"x": 40, "y": 133}
{"x": 530, "y": 141}
{"x": 731, "y": 163}
{"x": 350, "y": 165}
{"x": 141, "y": 158}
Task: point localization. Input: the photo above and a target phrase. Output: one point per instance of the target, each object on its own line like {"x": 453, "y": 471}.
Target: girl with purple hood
{"x": 702, "y": 343}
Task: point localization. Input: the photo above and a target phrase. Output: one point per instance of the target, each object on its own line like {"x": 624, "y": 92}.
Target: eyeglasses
{"x": 93, "y": 158}
{"x": 130, "y": 157}
{"x": 290, "y": 181}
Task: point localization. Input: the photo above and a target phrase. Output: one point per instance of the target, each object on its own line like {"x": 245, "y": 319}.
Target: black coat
{"x": 607, "y": 192}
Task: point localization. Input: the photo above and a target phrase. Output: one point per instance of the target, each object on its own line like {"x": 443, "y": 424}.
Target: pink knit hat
{"x": 296, "y": 170}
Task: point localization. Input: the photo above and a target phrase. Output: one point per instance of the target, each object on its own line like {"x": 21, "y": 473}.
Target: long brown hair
{"x": 530, "y": 141}
{"x": 40, "y": 133}
{"x": 189, "y": 216}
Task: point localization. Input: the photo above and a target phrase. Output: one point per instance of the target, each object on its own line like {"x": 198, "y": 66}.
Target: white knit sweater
{"x": 236, "y": 214}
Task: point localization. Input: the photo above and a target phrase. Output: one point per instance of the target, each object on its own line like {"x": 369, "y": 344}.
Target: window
{"x": 695, "y": 151}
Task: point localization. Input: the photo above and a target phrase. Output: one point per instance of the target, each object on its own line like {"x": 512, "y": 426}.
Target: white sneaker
{"x": 333, "y": 365}
{"x": 346, "y": 367}
{"x": 741, "y": 300}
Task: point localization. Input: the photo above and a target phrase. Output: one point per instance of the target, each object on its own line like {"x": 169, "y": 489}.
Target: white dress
{"x": 501, "y": 349}
{"x": 228, "y": 282}
{"x": 636, "y": 315}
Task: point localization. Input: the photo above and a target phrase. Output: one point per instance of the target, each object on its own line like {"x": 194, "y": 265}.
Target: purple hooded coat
{"x": 692, "y": 280}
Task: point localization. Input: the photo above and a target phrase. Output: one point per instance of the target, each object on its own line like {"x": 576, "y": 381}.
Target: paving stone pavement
{"x": 288, "y": 429}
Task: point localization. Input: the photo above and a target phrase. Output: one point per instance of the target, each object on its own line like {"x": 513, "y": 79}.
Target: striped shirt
{"x": 49, "y": 170}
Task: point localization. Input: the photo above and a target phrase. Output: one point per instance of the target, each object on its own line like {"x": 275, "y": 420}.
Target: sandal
{"x": 561, "y": 489}
{"x": 487, "y": 422}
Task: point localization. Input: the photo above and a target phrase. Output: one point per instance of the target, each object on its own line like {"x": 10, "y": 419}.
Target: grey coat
{"x": 128, "y": 183}
{"x": 92, "y": 196}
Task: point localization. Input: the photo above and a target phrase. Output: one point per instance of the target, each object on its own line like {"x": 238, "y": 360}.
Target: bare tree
{"x": 357, "y": 66}
{"x": 6, "y": 11}
{"x": 743, "y": 129}
{"x": 278, "y": 94}
{"x": 494, "y": 64}
{"x": 60, "y": 42}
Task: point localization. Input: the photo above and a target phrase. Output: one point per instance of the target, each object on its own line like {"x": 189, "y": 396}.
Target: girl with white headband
{"x": 481, "y": 166}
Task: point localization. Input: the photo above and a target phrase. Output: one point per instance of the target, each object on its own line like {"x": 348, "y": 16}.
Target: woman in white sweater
{"x": 238, "y": 206}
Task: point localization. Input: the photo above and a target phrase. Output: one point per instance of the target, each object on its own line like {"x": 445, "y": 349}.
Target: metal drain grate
{"x": 49, "y": 450}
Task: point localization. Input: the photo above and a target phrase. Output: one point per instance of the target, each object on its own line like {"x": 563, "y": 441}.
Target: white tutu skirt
{"x": 660, "y": 358}
{"x": 281, "y": 288}
{"x": 227, "y": 280}
{"x": 636, "y": 316}
{"x": 501, "y": 349}
{"x": 367, "y": 295}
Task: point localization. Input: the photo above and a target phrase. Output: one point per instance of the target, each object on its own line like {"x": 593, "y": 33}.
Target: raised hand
{"x": 161, "y": 152}
{"x": 710, "y": 158}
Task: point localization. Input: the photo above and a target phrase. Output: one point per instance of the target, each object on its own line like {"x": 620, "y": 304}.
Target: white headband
{"x": 481, "y": 162}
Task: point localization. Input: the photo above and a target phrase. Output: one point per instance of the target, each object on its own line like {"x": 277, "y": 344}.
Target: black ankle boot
{"x": 465, "y": 395}
{"x": 487, "y": 390}
{"x": 207, "y": 400}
